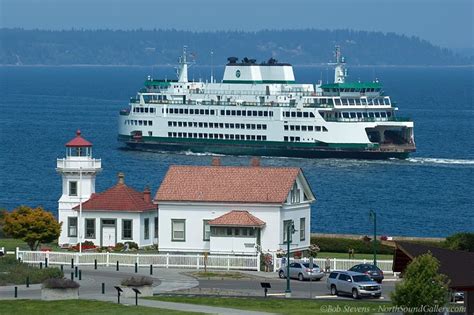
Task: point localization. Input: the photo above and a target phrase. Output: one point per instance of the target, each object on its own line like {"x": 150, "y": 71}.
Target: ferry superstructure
{"x": 259, "y": 109}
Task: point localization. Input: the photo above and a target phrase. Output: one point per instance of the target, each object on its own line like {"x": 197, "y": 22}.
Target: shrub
{"x": 137, "y": 281}
{"x": 342, "y": 245}
{"x": 14, "y": 272}
{"x": 60, "y": 283}
{"x": 132, "y": 245}
{"x": 460, "y": 241}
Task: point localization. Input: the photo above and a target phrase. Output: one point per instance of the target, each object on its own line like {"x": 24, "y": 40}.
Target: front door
{"x": 108, "y": 232}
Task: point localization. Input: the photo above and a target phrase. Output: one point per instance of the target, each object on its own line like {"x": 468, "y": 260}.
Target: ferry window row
{"x": 143, "y": 110}
{"x": 190, "y": 111}
{"x": 139, "y": 122}
{"x": 238, "y": 112}
{"x": 352, "y": 90}
{"x": 298, "y": 114}
{"x": 216, "y": 136}
{"x": 305, "y": 128}
{"x": 361, "y": 101}
{"x": 216, "y": 125}
{"x": 292, "y": 139}
{"x": 364, "y": 115}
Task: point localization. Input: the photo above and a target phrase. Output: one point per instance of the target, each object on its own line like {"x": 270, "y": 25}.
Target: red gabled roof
{"x": 78, "y": 141}
{"x": 237, "y": 218}
{"x": 252, "y": 184}
{"x": 118, "y": 198}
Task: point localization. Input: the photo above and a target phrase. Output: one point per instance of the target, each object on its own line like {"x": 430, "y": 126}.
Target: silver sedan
{"x": 301, "y": 271}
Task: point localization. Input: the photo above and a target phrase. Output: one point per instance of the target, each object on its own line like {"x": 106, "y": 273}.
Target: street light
{"x": 290, "y": 229}
{"x": 373, "y": 217}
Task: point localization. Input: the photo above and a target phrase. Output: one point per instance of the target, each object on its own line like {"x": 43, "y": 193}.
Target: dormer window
{"x": 295, "y": 194}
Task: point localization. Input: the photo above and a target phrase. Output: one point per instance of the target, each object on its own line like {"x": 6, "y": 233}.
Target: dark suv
{"x": 371, "y": 270}
{"x": 354, "y": 283}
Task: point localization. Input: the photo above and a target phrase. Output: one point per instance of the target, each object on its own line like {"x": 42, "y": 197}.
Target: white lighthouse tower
{"x": 78, "y": 171}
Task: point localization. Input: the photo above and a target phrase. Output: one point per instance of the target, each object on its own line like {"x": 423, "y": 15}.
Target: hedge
{"x": 342, "y": 245}
{"x": 14, "y": 272}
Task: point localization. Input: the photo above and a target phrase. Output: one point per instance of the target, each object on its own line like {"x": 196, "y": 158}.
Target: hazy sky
{"x": 448, "y": 23}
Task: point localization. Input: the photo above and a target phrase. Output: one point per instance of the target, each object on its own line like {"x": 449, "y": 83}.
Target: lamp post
{"x": 290, "y": 229}
{"x": 79, "y": 227}
{"x": 373, "y": 217}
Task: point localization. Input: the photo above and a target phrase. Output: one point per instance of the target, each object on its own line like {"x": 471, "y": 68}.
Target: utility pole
{"x": 373, "y": 217}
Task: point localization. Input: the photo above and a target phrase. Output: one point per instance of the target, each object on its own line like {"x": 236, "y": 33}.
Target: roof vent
{"x": 216, "y": 161}
{"x": 121, "y": 178}
{"x": 255, "y": 162}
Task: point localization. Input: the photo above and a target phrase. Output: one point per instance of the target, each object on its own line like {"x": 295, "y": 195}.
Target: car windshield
{"x": 361, "y": 278}
{"x": 372, "y": 267}
{"x": 307, "y": 265}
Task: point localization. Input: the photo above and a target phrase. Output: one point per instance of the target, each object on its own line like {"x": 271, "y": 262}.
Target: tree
{"x": 33, "y": 226}
{"x": 422, "y": 286}
{"x": 461, "y": 241}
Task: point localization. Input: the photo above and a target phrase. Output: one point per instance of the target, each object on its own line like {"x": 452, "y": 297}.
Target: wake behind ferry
{"x": 259, "y": 109}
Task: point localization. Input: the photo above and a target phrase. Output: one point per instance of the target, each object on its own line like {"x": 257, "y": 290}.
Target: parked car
{"x": 371, "y": 270}
{"x": 301, "y": 271}
{"x": 354, "y": 283}
{"x": 457, "y": 296}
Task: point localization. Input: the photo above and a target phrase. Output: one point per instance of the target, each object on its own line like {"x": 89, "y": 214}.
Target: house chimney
{"x": 121, "y": 178}
{"x": 146, "y": 195}
{"x": 216, "y": 161}
{"x": 255, "y": 161}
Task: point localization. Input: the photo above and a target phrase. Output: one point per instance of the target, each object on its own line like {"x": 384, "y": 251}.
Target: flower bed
{"x": 59, "y": 289}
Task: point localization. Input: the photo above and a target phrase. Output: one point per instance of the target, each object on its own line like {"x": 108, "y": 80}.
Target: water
{"x": 429, "y": 194}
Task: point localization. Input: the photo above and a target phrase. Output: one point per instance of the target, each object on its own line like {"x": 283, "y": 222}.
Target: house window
{"x": 146, "y": 231}
{"x": 295, "y": 194}
{"x": 72, "y": 188}
{"x": 206, "y": 230}
{"x": 156, "y": 228}
{"x": 302, "y": 229}
{"x": 287, "y": 223}
{"x": 90, "y": 228}
{"x": 178, "y": 230}
{"x": 127, "y": 229}
{"x": 72, "y": 226}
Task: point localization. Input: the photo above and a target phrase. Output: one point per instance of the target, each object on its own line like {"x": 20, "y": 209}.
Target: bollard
{"x": 19, "y": 259}
{"x": 75, "y": 271}
{"x": 80, "y": 274}
{"x": 151, "y": 269}
{"x": 117, "y": 266}
{"x": 95, "y": 264}
{"x": 41, "y": 265}
{"x": 27, "y": 282}
{"x": 103, "y": 288}
{"x": 16, "y": 292}
{"x": 72, "y": 276}
{"x": 62, "y": 268}
{"x": 72, "y": 263}
{"x": 46, "y": 262}
{"x": 136, "y": 267}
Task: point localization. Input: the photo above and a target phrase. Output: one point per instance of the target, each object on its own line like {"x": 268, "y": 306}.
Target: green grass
{"x": 356, "y": 256}
{"x": 218, "y": 274}
{"x": 283, "y": 306}
{"x": 11, "y": 244}
{"x": 74, "y": 307}
{"x": 14, "y": 272}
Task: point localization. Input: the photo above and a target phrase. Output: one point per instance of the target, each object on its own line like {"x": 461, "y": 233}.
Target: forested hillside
{"x": 147, "y": 47}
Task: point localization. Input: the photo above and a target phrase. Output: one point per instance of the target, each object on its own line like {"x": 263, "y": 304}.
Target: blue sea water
{"x": 429, "y": 194}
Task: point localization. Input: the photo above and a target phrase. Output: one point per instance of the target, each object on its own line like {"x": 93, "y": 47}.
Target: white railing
{"x": 343, "y": 264}
{"x": 143, "y": 260}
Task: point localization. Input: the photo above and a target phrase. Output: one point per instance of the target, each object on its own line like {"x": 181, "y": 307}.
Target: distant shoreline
{"x": 222, "y": 66}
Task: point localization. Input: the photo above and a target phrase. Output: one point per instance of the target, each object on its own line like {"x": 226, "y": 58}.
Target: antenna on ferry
{"x": 212, "y": 67}
{"x": 340, "y": 72}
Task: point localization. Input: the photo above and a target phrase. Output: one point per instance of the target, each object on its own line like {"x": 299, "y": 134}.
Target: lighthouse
{"x": 78, "y": 171}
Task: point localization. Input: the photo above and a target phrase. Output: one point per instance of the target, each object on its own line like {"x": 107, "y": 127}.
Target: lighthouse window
{"x": 72, "y": 226}
{"x": 72, "y": 188}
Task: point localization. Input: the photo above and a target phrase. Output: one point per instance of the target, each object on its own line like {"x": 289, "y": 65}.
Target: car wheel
{"x": 378, "y": 296}
{"x": 281, "y": 274}
{"x": 333, "y": 290}
{"x": 300, "y": 277}
{"x": 355, "y": 294}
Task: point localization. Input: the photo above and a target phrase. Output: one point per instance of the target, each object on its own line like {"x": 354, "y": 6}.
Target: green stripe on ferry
{"x": 259, "y": 81}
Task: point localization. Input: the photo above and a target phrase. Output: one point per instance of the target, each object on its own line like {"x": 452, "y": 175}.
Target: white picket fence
{"x": 343, "y": 264}
{"x": 157, "y": 260}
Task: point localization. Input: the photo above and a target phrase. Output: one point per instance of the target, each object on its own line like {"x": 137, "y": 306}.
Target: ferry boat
{"x": 259, "y": 109}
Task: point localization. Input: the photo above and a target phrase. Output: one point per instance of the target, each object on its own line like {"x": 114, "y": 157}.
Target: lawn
{"x": 11, "y": 244}
{"x": 14, "y": 272}
{"x": 283, "y": 306}
{"x": 74, "y": 307}
{"x": 356, "y": 256}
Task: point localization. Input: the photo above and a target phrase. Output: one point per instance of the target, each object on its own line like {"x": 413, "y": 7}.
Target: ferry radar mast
{"x": 340, "y": 71}
{"x": 183, "y": 67}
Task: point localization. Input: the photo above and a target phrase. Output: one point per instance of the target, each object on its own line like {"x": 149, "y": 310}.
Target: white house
{"x": 117, "y": 215}
{"x": 232, "y": 209}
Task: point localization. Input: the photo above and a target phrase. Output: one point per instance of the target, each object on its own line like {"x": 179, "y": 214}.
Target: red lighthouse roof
{"x": 78, "y": 141}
